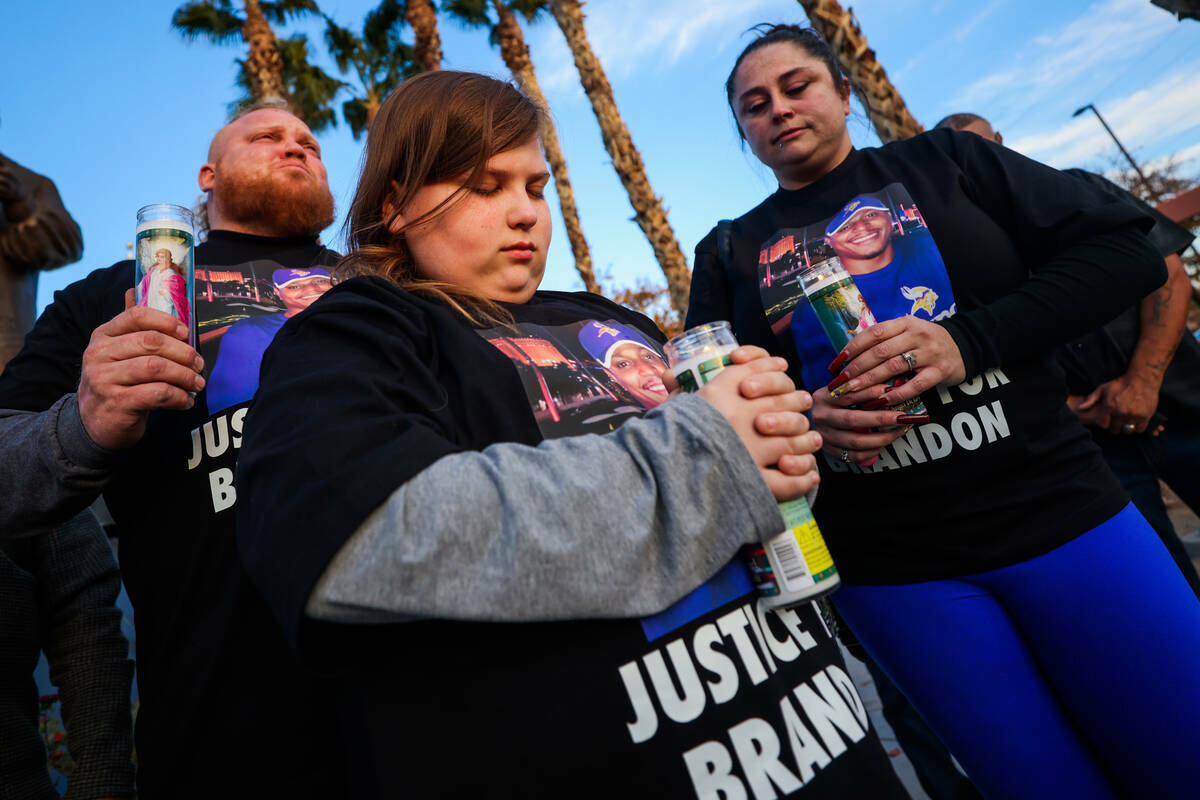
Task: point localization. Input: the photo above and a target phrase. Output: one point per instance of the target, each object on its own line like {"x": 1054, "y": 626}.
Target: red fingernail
{"x": 869, "y": 461}
{"x": 838, "y": 381}
{"x": 875, "y": 405}
{"x": 912, "y": 419}
{"x": 836, "y": 365}
{"x": 861, "y": 430}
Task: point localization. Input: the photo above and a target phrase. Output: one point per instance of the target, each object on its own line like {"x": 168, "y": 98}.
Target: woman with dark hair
{"x": 401, "y": 496}
{"x": 990, "y": 562}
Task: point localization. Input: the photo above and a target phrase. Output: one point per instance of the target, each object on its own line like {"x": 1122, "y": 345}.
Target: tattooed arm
{"x": 1164, "y": 317}
{"x": 1133, "y": 397}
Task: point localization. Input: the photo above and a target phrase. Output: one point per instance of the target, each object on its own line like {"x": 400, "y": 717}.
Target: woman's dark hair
{"x": 806, "y": 39}
{"x": 437, "y": 126}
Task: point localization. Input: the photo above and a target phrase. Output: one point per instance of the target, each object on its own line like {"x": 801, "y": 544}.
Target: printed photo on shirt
{"x": 239, "y": 310}
{"x": 586, "y": 377}
{"x": 883, "y": 242}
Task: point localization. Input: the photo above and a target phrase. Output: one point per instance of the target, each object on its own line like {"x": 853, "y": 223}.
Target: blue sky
{"x": 118, "y": 109}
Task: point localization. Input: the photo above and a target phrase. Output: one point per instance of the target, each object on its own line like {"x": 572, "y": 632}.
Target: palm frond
{"x": 281, "y": 11}
{"x": 529, "y": 9}
{"x": 212, "y": 19}
{"x": 354, "y": 111}
{"x": 312, "y": 89}
{"x": 344, "y": 46}
{"x": 380, "y": 57}
{"x": 381, "y": 27}
{"x": 471, "y": 13}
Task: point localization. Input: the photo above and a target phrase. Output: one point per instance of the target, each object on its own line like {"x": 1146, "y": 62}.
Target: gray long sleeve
{"x": 50, "y": 469}
{"x": 58, "y": 595}
{"x": 78, "y": 584}
{"x": 617, "y": 525}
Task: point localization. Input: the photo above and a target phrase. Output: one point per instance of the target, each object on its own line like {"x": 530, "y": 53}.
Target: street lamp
{"x": 1129, "y": 158}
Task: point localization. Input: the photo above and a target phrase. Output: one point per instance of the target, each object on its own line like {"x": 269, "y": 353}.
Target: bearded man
{"x": 110, "y": 397}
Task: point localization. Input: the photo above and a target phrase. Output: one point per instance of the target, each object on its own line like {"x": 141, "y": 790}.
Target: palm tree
{"x": 506, "y": 32}
{"x": 882, "y": 101}
{"x": 648, "y": 209}
{"x": 378, "y": 58}
{"x": 310, "y": 90}
{"x": 427, "y": 47}
{"x": 272, "y": 68}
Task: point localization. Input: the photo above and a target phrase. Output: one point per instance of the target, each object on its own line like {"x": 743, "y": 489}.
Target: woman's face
{"x": 792, "y": 115}
{"x": 493, "y": 239}
{"x": 640, "y": 371}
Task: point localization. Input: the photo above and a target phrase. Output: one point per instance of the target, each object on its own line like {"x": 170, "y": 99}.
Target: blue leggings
{"x": 1075, "y": 674}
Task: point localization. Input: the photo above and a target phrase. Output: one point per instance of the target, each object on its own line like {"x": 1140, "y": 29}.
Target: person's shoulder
{"x": 362, "y": 290}
{"x": 366, "y": 304}
{"x": 583, "y": 303}
{"x": 1107, "y": 187}
{"x": 753, "y": 214}
{"x": 939, "y": 140}
{"x": 709, "y": 242}
{"x": 117, "y": 274}
{"x": 595, "y": 306}
{"x": 580, "y": 298}
{"x": 1099, "y": 181}
{"x": 104, "y": 287}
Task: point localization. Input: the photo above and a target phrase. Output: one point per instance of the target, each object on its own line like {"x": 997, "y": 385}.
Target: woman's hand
{"x": 762, "y": 405}
{"x": 893, "y": 349}
{"x": 847, "y": 433}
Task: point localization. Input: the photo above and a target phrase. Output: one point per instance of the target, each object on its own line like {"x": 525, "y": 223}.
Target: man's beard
{"x": 275, "y": 202}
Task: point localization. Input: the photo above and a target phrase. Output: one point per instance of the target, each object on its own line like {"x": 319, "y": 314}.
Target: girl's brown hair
{"x": 437, "y": 126}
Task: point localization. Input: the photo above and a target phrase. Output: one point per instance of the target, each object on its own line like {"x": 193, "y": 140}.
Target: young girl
{"x": 990, "y": 562}
{"x": 415, "y": 456}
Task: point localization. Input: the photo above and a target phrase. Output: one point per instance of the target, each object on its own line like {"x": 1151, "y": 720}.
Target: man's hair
{"x": 436, "y": 126}
{"x": 274, "y": 101}
{"x": 959, "y": 121}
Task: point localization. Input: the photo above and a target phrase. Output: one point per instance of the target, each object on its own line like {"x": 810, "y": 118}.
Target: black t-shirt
{"x": 1104, "y": 354}
{"x": 1012, "y": 258}
{"x": 371, "y": 385}
{"x": 226, "y": 710}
